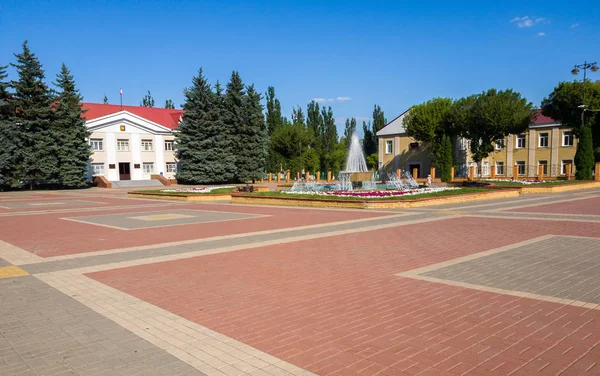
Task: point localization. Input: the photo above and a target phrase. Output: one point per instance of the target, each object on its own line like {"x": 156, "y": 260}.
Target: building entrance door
{"x": 124, "y": 173}
{"x": 411, "y": 167}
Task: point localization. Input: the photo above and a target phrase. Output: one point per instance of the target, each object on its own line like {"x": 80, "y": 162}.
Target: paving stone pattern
{"x": 132, "y": 221}
{"x": 561, "y": 267}
{"x": 45, "y": 332}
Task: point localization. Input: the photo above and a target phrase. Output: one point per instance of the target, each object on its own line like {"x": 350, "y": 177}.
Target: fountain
{"x": 356, "y": 167}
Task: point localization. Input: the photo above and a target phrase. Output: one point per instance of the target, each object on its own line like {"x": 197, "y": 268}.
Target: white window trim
{"x": 170, "y": 164}
{"x": 94, "y": 170}
{"x": 499, "y": 146}
{"x": 503, "y": 168}
{"x": 170, "y": 142}
{"x": 563, "y": 166}
{"x": 100, "y": 141}
{"x": 150, "y": 143}
{"x": 524, "y": 137}
{"x": 524, "y": 168}
{"x": 546, "y": 164}
{"x": 123, "y": 141}
{"x": 391, "y": 147}
{"x": 571, "y": 136}
{"x": 147, "y": 164}
{"x": 547, "y": 137}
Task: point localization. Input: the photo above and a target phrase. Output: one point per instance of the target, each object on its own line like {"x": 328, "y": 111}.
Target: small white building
{"x": 130, "y": 142}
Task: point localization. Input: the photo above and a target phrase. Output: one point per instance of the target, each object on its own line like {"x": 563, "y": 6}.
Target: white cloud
{"x": 541, "y": 34}
{"x": 574, "y": 25}
{"x": 338, "y": 99}
{"x": 526, "y": 21}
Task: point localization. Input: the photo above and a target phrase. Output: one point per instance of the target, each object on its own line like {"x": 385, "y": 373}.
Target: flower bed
{"x": 378, "y": 194}
{"x": 213, "y": 189}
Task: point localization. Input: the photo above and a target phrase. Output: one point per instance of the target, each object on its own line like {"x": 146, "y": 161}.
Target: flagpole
{"x": 121, "y": 95}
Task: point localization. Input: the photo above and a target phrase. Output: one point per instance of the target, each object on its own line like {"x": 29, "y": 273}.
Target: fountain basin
{"x": 361, "y": 176}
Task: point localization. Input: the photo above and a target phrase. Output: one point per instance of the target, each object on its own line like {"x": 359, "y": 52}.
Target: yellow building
{"x": 546, "y": 143}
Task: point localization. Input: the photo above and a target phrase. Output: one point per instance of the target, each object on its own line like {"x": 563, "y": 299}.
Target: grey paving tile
{"x": 45, "y": 332}
{"x": 561, "y": 267}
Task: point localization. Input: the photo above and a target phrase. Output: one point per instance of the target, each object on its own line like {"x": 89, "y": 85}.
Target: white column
{"x": 159, "y": 163}
{"x": 555, "y": 140}
{"x": 510, "y": 145}
{"x": 111, "y": 157}
{"x": 531, "y": 153}
{"x": 136, "y": 156}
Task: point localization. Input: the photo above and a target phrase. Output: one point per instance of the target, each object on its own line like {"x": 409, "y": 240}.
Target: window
{"x": 97, "y": 169}
{"x": 545, "y": 164}
{"x": 96, "y": 144}
{"x": 122, "y": 145}
{"x": 563, "y": 166}
{"x": 520, "y": 167}
{"x": 146, "y": 145}
{"x": 148, "y": 168}
{"x": 464, "y": 144}
{"x": 543, "y": 140}
{"x": 388, "y": 147}
{"x": 500, "y": 144}
{"x": 521, "y": 141}
{"x": 499, "y": 168}
{"x": 171, "y": 167}
{"x": 567, "y": 138}
{"x": 169, "y": 145}
{"x": 413, "y": 146}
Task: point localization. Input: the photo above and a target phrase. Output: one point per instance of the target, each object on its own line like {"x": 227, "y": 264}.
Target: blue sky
{"x": 354, "y": 54}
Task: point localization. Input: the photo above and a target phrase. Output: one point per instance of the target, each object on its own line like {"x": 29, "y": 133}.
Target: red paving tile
{"x": 333, "y": 305}
{"x": 49, "y": 235}
{"x": 45, "y": 204}
{"x": 588, "y": 206}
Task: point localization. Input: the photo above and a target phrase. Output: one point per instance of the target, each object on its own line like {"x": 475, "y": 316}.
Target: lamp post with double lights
{"x": 575, "y": 71}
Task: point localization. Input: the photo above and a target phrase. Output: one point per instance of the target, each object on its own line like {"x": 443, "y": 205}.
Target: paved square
{"x": 47, "y": 204}
{"x": 464, "y": 289}
{"x": 135, "y": 221}
{"x": 561, "y": 267}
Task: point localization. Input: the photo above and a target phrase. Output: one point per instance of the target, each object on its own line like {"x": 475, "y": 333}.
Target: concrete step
{"x": 136, "y": 183}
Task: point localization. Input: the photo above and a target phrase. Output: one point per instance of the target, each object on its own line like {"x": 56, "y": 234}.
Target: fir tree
{"x": 234, "y": 119}
{"x": 105, "y": 100}
{"x": 252, "y": 137}
{"x": 70, "y": 132}
{"x": 204, "y": 143}
{"x": 37, "y": 148}
{"x": 169, "y": 104}
{"x": 9, "y": 133}
{"x": 444, "y": 162}
{"x": 147, "y": 100}
{"x": 584, "y": 157}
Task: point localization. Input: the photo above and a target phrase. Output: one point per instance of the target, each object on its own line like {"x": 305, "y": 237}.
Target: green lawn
{"x": 509, "y": 183}
{"x": 214, "y": 191}
{"x": 407, "y": 197}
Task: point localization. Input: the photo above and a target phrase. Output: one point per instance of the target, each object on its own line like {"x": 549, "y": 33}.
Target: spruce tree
{"x": 9, "y": 133}
{"x": 169, "y": 104}
{"x": 147, "y": 100}
{"x": 70, "y": 132}
{"x": 584, "y": 157}
{"x": 34, "y": 116}
{"x": 234, "y": 119}
{"x": 252, "y": 137}
{"x": 204, "y": 143}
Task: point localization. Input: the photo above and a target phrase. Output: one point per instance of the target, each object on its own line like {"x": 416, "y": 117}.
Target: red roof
{"x": 164, "y": 116}
{"x": 540, "y": 119}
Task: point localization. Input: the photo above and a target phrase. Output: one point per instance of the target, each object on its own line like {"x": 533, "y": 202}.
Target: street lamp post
{"x": 575, "y": 71}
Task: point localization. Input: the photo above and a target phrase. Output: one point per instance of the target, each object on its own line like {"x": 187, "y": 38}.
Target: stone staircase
{"x": 136, "y": 183}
